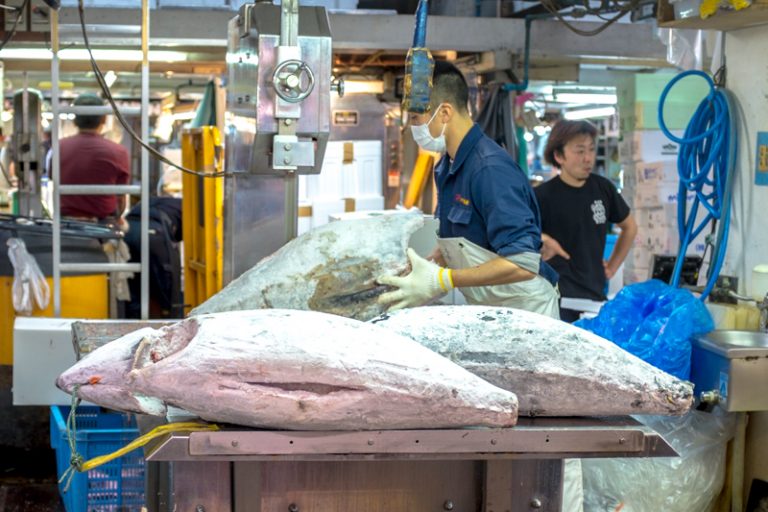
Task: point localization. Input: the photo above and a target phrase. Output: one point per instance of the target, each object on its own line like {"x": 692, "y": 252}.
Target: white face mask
{"x": 425, "y": 140}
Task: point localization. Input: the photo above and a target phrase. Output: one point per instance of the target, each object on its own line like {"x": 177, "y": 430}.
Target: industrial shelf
{"x": 756, "y": 14}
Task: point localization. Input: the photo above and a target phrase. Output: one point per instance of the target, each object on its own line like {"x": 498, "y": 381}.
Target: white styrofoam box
{"x": 361, "y": 177}
{"x": 656, "y": 172}
{"x": 305, "y": 221}
{"x": 329, "y": 183}
{"x": 305, "y": 224}
{"x": 42, "y": 350}
{"x": 366, "y": 203}
{"x": 323, "y": 209}
{"x": 636, "y": 275}
{"x": 654, "y": 146}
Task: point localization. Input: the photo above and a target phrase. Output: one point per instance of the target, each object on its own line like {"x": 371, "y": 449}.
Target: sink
{"x": 741, "y": 343}
{"x": 732, "y": 366}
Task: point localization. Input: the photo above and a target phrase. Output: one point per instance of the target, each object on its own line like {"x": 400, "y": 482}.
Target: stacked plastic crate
{"x": 649, "y": 162}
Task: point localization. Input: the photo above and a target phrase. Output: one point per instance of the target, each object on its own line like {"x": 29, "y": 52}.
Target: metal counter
{"x": 514, "y": 470}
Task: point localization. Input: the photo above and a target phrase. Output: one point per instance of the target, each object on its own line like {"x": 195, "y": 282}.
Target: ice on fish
{"x": 554, "y": 368}
{"x": 294, "y": 370}
{"x": 332, "y": 268}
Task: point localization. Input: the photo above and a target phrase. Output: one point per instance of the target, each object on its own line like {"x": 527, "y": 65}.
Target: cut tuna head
{"x": 101, "y": 376}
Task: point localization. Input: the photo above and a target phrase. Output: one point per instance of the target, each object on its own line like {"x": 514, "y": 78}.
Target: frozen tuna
{"x": 554, "y": 368}
{"x": 291, "y": 369}
{"x": 332, "y": 269}
{"x": 101, "y": 377}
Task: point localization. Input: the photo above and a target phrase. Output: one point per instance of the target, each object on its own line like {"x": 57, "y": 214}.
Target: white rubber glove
{"x": 425, "y": 282}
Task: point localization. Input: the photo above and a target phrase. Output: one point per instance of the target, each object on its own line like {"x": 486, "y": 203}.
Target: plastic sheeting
{"x": 655, "y": 322}
{"x": 29, "y": 284}
{"x": 691, "y": 482}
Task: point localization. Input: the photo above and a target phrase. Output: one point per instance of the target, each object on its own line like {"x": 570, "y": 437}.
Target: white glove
{"x": 425, "y": 282}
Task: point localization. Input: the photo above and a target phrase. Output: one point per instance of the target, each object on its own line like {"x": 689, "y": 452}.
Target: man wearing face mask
{"x": 490, "y": 229}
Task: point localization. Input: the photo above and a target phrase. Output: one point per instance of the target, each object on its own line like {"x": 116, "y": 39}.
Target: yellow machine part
{"x": 202, "y": 207}
{"x": 81, "y": 297}
{"x": 422, "y": 172}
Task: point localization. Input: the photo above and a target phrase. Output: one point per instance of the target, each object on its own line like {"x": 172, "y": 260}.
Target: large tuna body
{"x": 554, "y": 368}
{"x": 290, "y": 369}
{"x": 332, "y": 269}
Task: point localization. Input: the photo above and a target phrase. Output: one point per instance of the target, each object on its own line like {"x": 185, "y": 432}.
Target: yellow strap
{"x": 142, "y": 440}
{"x": 442, "y": 280}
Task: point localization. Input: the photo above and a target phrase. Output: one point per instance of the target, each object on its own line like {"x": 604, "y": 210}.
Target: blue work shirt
{"x": 485, "y": 197}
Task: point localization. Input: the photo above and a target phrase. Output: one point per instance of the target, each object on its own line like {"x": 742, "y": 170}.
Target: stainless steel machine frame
{"x": 512, "y": 470}
{"x": 278, "y": 123}
{"x": 28, "y": 151}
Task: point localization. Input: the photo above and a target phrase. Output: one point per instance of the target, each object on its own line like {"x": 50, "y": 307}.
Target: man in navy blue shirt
{"x": 490, "y": 229}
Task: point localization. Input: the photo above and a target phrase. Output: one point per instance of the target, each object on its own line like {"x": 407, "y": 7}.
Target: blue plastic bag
{"x": 655, "y": 322}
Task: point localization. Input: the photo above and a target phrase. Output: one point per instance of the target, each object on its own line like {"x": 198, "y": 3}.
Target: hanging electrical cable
{"x": 621, "y": 8}
{"x": 108, "y": 95}
{"x": 9, "y": 35}
{"x": 706, "y": 166}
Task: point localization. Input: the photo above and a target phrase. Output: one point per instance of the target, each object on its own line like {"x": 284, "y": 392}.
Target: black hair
{"x": 88, "y": 122}
{"x": 449, "y": 86}
{"x": 562, "y": 133}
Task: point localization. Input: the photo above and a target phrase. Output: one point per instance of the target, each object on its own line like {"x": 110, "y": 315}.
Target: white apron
{"x": 536, "y": 295}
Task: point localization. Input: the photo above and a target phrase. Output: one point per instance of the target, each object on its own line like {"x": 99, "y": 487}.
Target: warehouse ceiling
{"x": 366, "y": 44}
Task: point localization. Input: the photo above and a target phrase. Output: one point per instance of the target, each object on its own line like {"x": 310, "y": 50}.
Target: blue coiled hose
{"x": 706, "y": 165}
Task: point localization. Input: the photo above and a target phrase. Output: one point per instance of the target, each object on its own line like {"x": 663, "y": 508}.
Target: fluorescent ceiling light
{"x": 110, "y": 77}
{"x": 590, "y": 113}
{"x": 99, "y": 55}
{"x": 363, "y": 86}
{"x": 575, "y": 97}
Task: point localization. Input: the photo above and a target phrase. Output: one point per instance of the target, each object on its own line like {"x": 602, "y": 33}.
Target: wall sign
{"x": 761, "y": 161}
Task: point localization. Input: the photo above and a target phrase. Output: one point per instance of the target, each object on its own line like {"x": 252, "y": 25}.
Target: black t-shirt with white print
{"x": 578, "y": 218}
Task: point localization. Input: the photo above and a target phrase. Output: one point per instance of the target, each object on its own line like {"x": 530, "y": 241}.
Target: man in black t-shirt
{"x": 576, "y": 208}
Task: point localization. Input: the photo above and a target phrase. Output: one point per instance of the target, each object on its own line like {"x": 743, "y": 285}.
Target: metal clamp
{"x": 287, "y": 80}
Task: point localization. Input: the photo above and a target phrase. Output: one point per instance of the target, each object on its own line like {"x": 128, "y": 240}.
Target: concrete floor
{"x": 27, "y": 462}
{"x": 28, "y": 481}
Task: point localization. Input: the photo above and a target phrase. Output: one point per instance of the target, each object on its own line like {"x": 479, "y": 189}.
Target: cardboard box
{"x": 663, "y": 216}
{"x": 639, "y": 257}
{"x": 654, "y": 146}
{"x": 655, "y": 194}
{"x": 657, "y": 172}
{"x": 666, "y": 240}
{"x": 636, "y": 275}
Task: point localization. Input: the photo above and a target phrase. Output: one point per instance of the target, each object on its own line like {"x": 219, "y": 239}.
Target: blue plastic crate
{"x": 117, "y": 486}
